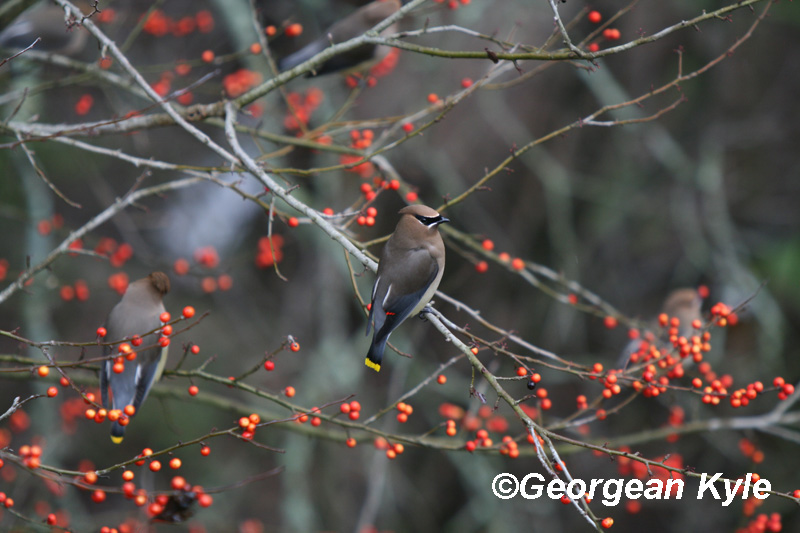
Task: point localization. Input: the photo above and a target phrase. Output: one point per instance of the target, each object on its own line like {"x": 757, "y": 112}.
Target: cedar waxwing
{"x": 137, "y": 313}
{"x": 409, "y": 272}
{"x": 683, "y": 304}
{"x": 48, "y": 22}
{"x": 353, "y": 25}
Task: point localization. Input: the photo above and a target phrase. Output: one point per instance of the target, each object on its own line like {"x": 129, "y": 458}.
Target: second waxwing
{"x": 353, "y": 25}
{"x": 138, "y": 312}
{"x": 409, "y": 272}
{"x": 685, "y": 305}
{"x": 45, "y": 21}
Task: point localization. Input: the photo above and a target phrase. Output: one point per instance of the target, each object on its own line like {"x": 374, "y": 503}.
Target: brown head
{"x": 160, "y": 282}
{"x": 685, "y": 304}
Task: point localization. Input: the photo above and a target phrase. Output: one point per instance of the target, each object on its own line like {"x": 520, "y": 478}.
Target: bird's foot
{"x": 425, "y": 310}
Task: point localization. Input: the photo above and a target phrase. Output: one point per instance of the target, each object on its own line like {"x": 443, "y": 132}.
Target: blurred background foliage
{"x": 707, "y": 194}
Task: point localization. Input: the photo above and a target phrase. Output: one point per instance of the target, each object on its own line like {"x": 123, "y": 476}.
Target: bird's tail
{"x": 375, "y": 354}
{"x": 301, "y": 56}
{"x": 117, "y": 433}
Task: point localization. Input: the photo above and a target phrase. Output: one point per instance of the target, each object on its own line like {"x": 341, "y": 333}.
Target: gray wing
{"x": 393, "y": 300}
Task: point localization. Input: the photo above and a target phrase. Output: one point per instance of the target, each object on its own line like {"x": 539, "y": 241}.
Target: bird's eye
{"x": 429, "y": 221}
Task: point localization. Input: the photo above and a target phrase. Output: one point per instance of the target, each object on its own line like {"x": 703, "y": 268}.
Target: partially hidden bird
{"x": 353, "y": 25}
{"x": 48, "y": 22}
{"x": 410, "y": 269}
{"x": 139, "y": 312}
{"x": 685, "y": 304}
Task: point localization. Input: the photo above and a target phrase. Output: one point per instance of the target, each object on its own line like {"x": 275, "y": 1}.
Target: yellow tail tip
{"x": 373, "y": 365}
{"x": 116, "y": 440}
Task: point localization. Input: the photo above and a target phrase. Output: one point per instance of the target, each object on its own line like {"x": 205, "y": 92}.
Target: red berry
{"x": 610, "y": 322}
{"x": 595, "y": 17}
{"x": 293, "y": 30}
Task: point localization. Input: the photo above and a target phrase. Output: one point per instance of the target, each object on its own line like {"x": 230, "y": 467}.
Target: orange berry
{"x": 522, "y": 371}
{"x": 207, "y": 56}
{"x": 517, "y": 264}
{"x": 293, "y": 222}
{"x": 188, "y": 312}
{"x": 255, "y": 48}
{"x": 289, "y": 391}
{"x": 441, "y": 379}
{"x": 155, "y": 466}
{"x": 175, "y": 463}
{"x": 351, "y": 442}
{"x": 595, "y": 17}
{"x": 433, "y": 98}
{"x": 43, "y": 371}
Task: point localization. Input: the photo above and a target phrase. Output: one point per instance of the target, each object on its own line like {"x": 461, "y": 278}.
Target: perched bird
{"x": 353, "y": 25}
{"x": 409, "y": 272}
{"x": 48, "y": 22}
{"x": 683, "y": 304}
{"x": 137, "y": 313}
